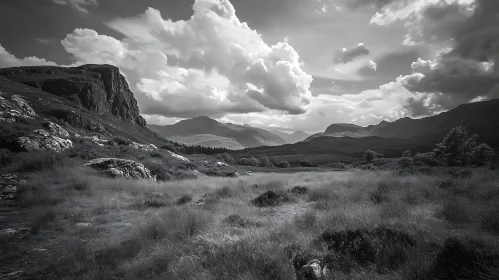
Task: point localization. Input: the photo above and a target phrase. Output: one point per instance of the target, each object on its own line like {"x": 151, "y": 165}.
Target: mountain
{"x": 292, "y": 138}
{"x": 89, "y": 98}
{"x": 297, "y": 136}
{"x": 342, "y": 128}
{"x": 207, "y": 140}
{"x": 245, "y": 135}
{"x": 392, "y": 138}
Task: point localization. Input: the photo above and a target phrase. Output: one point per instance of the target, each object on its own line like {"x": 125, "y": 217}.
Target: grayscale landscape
{"x": 234, "y": 139}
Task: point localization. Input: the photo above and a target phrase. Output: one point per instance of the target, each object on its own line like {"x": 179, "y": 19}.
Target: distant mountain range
{"x": 349, "y": 142}
{"x": 244, "y": 135}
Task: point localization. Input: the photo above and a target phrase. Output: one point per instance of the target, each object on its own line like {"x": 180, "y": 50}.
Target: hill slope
{"x": 246, "y": 136}
{"x": 208, "y": 140}
{"x": 93, "y": 98}
{"x": 392, "y": 138}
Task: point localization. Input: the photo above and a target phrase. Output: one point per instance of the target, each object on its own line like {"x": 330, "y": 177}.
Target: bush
{"x": 371, "y": 155}
{"x": 459, "y": 148}
{"x": 248, "y": 161}
{"x": 407, "y": 154}
{"x": 225, "y": 157}
{"x": 421, "y": 159}
{"x": 306, "y": 163}
{"x": 284, "y": 164}
{"x": 265, "y": 162}
{"x": 405, "y": 162}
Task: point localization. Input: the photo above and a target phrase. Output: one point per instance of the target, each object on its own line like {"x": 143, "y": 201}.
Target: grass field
{"x": 81, "y": 226}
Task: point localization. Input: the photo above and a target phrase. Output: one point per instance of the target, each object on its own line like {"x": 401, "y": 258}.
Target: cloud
{"x": 372, "y": 65}
{"x": 346, "y": 55}
{"x": 9, "y": 60}
{"x": 77, "y": 5}
{"x": 210, "y": 64}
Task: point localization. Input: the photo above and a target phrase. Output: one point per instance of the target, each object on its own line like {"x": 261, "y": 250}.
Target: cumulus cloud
{"x": 77, "y": 5}
{"x": 9, "y": 60}
{"x": 211, "y": 64}
{"x": 346, "y": 55}
{"x": 372, "y": 65}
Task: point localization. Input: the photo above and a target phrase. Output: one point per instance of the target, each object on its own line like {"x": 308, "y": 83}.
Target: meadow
{"x": 79, "y": 225}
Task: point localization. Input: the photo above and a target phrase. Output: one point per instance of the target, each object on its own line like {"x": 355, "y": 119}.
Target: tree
{"x": 369, "y": 155}
{"x": 248, "y": 161}
{"x": 483, "y": 154}
{"x": 407, "y": 154}
{"x": 460, "y": 148}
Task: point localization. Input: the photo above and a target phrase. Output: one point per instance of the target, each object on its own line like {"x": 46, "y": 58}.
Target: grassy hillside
{"x": 323, "y": 150}
{"x": 408, "y": 227}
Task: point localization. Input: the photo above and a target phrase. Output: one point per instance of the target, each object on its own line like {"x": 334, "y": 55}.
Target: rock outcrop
{"x": 116, "y": 167}
{"x": 56, "y": 129}
{"x": 41, "y": 140}
{"x": 98, "y": 88}
{"x": 14, "y": 107}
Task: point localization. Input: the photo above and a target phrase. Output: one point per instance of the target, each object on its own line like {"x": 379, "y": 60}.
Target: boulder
{"x": 143, "y": 147}
{"x": 179, "y": 157}
{"x": 56, "y": 129}
{"x": 116, "y": 167}
{"x": 41, "y": 140}
{"x": 313, "y": 270}
{"x": 14, "y": 107}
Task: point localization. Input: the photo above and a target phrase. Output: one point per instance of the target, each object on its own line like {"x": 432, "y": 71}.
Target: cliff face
{"x": 98, "y": 88}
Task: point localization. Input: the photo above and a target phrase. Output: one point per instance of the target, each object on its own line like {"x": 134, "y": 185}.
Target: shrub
{"x": 225, "y": 157}
{"x": 248, "y": 161}
{"x": 421, "y": 159}
{"x": 184, "y": 199}
{"x": 405, "y": 162}
{"x": 265, "y": 162}
{"x": 371, "y": 155}
{"x": 460, "y": 148}
{"x": 407, "y": 154}
{"x": 306, "y": 163}
{"x": 284, "y": 164}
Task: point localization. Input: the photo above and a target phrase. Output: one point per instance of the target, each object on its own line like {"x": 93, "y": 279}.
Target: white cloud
{"x": 210, "y": 64}
{"x": 372, "y": 65}
{"x": 77, "y": 5}
{"x": 9, "y": 60}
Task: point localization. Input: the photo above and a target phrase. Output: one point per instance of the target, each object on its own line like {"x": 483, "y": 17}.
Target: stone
{"x": 179, "y": 157}
{"x": 56, "y": 129}
{"x": 143, "y": 147}
{"x": 41, "y": 140}
{"x": 13, "y": 108}
{"x": 115, "y": 167}
{"x": 219, "y": 163}
{"x": 313, "y": 270}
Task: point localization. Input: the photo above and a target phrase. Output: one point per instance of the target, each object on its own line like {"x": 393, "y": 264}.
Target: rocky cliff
{"x": 98, "y": 88}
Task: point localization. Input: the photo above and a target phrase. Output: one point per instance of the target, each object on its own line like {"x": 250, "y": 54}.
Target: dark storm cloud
{"x": 470, "y": 69}
{"x": 346, "y": 55}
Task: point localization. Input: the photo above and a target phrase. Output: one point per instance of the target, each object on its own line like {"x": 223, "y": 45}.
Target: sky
{"x": 276, "y": 64}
